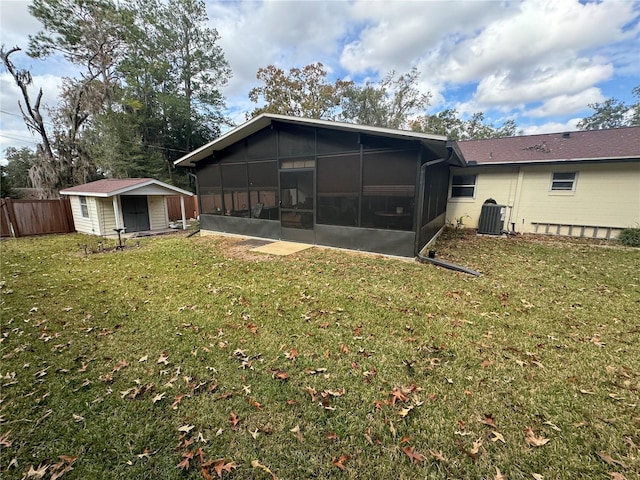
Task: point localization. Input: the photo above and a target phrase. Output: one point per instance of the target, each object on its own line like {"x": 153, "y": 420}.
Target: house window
{"x": 463, "y": 186}
{"x": 84, "y": 208}
{"x": 563, "y": 181}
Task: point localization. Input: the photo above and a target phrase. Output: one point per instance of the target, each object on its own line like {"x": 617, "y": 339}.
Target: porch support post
{"x": 184, "y": 220}
{"x": 116, "y": 211}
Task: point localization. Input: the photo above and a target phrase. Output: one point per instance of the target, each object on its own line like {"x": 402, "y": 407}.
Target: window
{"x": 84, "y": 207}
{"x": 463, "y": 186}
{"x": 388, "y": 189}
{"x": 563, "y": 181}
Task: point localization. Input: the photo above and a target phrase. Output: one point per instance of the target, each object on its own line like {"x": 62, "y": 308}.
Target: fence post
{"x": 13, "y": 224}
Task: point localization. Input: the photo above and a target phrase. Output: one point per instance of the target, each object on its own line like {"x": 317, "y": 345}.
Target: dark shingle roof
{"x": 107, "y": 185}
{"x": 612, "y": 144}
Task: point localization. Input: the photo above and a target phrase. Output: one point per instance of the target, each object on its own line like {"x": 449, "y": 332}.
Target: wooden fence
{"x": 190, "y": 208}
{"x": 21, "y": 218}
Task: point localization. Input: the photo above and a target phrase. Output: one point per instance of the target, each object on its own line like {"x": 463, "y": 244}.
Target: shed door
{"x": 135, "y": 213}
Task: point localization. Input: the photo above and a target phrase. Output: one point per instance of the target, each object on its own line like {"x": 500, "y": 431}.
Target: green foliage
{"x": 301, "y": 92}
{"x": 19, "y": 163}
{"x": 132, "y": 361}
{"x": 630, "y": 237}
{"x": 449, "y": 124}
{"x": 388, "y": 103}
{"x": 613, "y": 113}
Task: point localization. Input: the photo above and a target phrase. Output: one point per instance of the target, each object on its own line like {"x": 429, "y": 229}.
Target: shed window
{"x": 463, "y": 186}
{"x": 84, "y": 207}
{"x": 563, "y": 181}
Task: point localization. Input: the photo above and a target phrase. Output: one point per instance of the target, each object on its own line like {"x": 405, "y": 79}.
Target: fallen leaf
{"x": 158, "y": 397}
{"x": 222, "y": 466}
{"x": 184, "y": 464}
{"x": 537, "y": 476}
{"x": 617, "y": 476}
{"x": 39, "y": 472}
{"x": 163, "y": 359}
{"x": 234, "y": 420}
{"x": 78, "y": 418}
{"x": 532, "y": 440}
{"x": 279, "y": 375}
{"x": 296, "y": 431}
{"x": 608, "y": 459}
{"x": 476, "y": 447}
{"x": 177, "y": 400}
{"x": 339, "y": 461}
{"x": 488, "y": 420}
{"x": 437, "y": 455}
{"x": 4, "y": 439}
{"x": 186, "y": 428}
{"x": 499, "y": 475}
{"x": 497, "y": 436}
{"x": 413, "y": 455}
{"x": 331, "y": 436}
{"x": 143, "y": 359}
{"x": 257, "y": 464}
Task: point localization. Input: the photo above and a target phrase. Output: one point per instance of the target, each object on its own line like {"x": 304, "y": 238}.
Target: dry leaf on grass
{"x": 532, "y": 440}
{"x": 499, "y": 475}
{"x": 617, "y": 476}
{"x": 257, "y": 464}
{"x": 608, "y": 459}
{"x": 413, "y": 455}
{"x": 339, "y": 461}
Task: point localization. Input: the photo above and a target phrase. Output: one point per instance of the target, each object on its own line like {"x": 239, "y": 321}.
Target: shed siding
{"x": 107, "y": 216}
{"x": 158, "y": 214}
{"x": 85, "y": 225}
{"x": 606, "y": 195}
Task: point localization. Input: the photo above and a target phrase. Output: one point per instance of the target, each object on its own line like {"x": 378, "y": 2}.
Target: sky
{"x": 538, "y": 62}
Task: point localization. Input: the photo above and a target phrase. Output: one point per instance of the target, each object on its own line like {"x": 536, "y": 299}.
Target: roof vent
{"x": 566, "y": 135}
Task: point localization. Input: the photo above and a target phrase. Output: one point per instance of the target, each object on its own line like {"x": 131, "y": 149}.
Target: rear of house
{"x": 583, "y": 183}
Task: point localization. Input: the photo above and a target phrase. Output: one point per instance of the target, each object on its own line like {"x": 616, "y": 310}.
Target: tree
{"x": 19, "y": 162}
{"x": 613, "y": 113}
{"x": 449, "y": 124}
{"x": 44, "y": 172}
{"x": 389, "y": 103}
{"x": 302, "y": 92}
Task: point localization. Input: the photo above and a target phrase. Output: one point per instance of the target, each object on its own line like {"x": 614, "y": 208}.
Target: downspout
{"x": 431, "y": 258}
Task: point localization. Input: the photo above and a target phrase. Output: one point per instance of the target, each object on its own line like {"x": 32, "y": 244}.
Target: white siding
{"x": 605, "y": 195}
{"x": 158, "y": 213}
{"x": 106, "y": 215}
{"x": 85, "y": 225}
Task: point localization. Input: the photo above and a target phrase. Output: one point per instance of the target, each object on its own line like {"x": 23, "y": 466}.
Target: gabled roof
{"x": 110, "y": 187}
{"x": 435, "y": 142}
{"x": 588, "y": 145}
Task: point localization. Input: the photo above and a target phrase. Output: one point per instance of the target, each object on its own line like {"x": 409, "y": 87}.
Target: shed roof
{"x": 434, "y": 142}
{"x": 110, "y": 187}
{"x": 587, "y": 145}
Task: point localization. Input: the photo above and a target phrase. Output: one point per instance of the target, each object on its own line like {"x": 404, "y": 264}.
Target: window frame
{"x": 553, "y": 187}
{"x": 84, "y": 206}
{"x": 453, "y": 185}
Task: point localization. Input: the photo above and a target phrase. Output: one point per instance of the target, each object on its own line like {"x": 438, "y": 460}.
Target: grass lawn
{"x": 195, "y": 358}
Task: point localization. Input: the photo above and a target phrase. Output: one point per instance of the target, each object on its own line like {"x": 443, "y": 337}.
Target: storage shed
{"x": 324, "y": 182}
{"x": 131, "y": 204}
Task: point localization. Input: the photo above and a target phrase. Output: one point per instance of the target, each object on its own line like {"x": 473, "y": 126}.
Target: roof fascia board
{"x": 558, "y": 161}
{"x": 265, "y": 119}
{"x": 130, "y": 188}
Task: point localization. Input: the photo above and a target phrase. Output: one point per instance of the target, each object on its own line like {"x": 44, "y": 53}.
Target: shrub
{"x": 630, "y": 237}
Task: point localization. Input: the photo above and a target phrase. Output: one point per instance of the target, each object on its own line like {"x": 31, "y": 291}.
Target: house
{"x": 132, "y": 205}
{"x": 584, "y": 183}
{"x": 325, "y": 183}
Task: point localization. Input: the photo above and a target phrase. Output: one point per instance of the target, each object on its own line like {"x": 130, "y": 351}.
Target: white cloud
{"x": 13, "y": 131}
{"x": 551, "y": 127}
{"x": 547, "y": 81}
{"x": 562, "y": 105}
